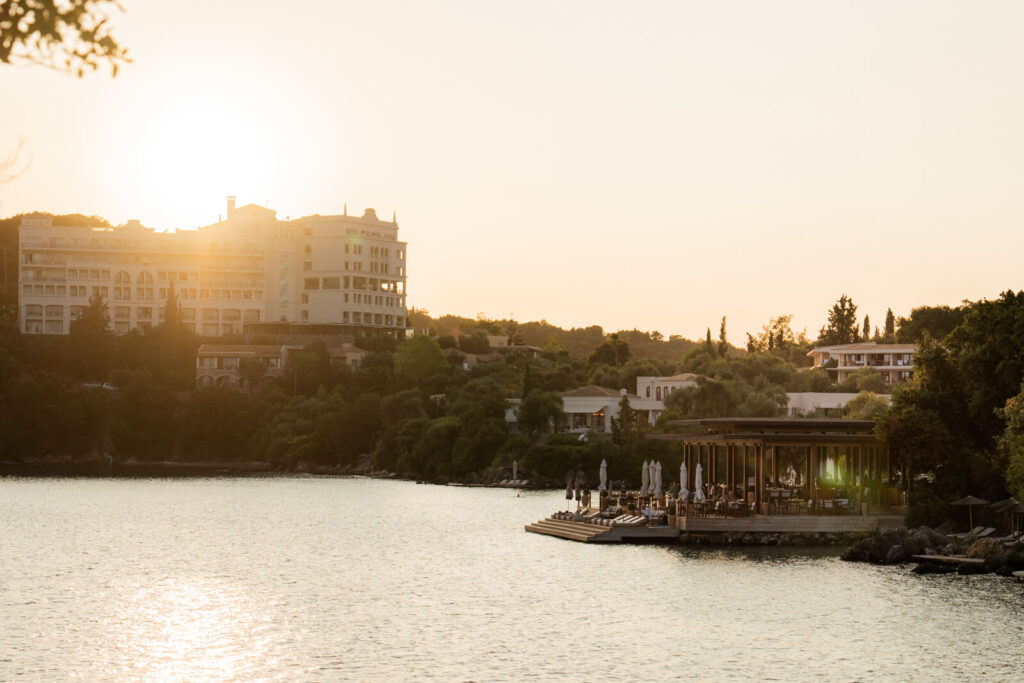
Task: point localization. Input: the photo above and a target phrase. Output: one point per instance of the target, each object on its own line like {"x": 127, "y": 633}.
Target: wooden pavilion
{"x": 816, "y": 467}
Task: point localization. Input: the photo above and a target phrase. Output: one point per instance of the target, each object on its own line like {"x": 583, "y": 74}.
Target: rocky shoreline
{"x": 952, "y": 554}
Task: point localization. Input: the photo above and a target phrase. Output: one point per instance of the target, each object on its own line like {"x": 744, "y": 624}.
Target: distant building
{"x": 326, "y": 275}
{"x": 591, "y": 408}
{"x": 220, "y": 364}
{"x": 823, "y": 404}
{"x": 894, "y": 361}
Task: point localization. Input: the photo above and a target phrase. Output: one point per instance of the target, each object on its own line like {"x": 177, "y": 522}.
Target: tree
{"x": 867, "y": 406}
{"x": 476, "y": 343}
{"x": 515, "y": 338}
{"x": 723, "y": 343}
{"x": 69, "y": 35}
{"x": 172, "y": 308}
{"x": 613, "y": 351}
{"x": 842, "y": 323}
{"x": 866, "y": 334}
{"x": 94, "y": 319}
{"x": 936, "y": 321}
{"x": 889, "y": 336}
{"x": 418, "y": 359}
{"x": 252, "y": 371}
{"x": 539, "y": 412}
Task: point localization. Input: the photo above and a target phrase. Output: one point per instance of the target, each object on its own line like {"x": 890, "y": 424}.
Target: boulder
{"x": 985, "y": 548}
{"x": 934, "y": 568}
{"x": 897, "y": 554}
{"x": 968, "y": 569}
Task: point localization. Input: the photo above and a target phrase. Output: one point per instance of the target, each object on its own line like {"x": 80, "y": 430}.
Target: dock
{"x": 948, "y": 559}
{"x": 594, "y": 533}
{"x": 789, "y": 524}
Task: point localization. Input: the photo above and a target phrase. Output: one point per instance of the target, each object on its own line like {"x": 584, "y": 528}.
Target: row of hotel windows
{"x": 365, "y": 284}
{"x": 141, "y": 293}
{"x": 364, "y": 318}
{"x": 357, "y": 266}
{"x": 371, "y": 299}
{"x": 146, "y": 313}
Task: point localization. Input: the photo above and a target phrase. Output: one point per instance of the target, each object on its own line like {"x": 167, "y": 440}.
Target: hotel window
{"x": 144, "y": 312}
{"x": 305, "y": 298}
{"x": 305, "y": 316}
{"x": 344, "y": 316}
{"x": 357, "y": 317}
{"x": 309, "y": 232}
{"x": 307, "y": 265}
{"x": 312, "y": 283}
{"x": 332, "y": 283}
{"x": 308, "y": 249}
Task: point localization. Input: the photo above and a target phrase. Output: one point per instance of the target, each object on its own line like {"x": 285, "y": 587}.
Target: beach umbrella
{"x": 970, "y": 502}
{"x": 645, "y": 478}
{"x": 698, "y": 485}
{"x": 651, "y": 477}
{"x": 604, "y": 475}
{"x": 683, "y": 480}
{"x": 657, "y": 481}
{"x": 515, "y": 470}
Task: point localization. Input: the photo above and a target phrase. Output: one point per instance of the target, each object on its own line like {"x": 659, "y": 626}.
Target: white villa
{"x": 591, "y": 408}
{"x": 894, "y": 361}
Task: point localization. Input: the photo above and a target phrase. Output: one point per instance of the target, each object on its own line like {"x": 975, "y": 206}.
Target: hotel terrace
{"x": 894, "y": 361}
{"x": 249, "y": 273}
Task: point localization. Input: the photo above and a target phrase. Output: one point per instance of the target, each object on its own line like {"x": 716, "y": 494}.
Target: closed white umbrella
{"x": 645, "y": 479}
{"x": 698, "y": 485}
{"x": 652, "y": 477}
{"x": 604, "y": 475}
{"x": 683, "y": 480}
{"x": 658, "y": 493}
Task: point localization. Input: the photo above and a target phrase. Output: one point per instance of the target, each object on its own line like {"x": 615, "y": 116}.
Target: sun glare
{"x": 199, "y": 143}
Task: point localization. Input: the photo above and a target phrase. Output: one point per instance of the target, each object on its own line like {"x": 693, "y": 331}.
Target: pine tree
{"x": 867, "y": 327}
{"x": 890, "y": 327}
{"x": 842, "y": 325}
{"x": 723, "y": 343}
{"x": 172, "y": 309}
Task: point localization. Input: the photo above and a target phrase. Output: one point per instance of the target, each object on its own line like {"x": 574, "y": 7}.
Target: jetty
{"x": 587, "y": 532}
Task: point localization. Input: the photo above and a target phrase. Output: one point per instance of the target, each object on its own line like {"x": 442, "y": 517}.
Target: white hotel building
{"x": 342, "y": 275}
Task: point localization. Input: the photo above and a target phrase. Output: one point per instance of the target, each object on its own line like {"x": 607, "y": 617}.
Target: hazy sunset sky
{"x": 648, "y": 164}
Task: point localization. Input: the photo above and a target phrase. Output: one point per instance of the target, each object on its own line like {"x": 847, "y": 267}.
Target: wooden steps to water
{"x": 593, "y": 533}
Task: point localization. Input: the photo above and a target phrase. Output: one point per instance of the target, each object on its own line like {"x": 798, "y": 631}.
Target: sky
{"x": 649, "y": 165}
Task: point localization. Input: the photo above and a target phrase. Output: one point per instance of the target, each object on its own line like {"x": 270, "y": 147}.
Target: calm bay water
{"x": 327, "y": 579}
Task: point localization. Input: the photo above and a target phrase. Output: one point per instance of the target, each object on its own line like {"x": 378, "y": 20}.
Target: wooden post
{"x": 744, "y": 474}
{"x": 860, "y": 477}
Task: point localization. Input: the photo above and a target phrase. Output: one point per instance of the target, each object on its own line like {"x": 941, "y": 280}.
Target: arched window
{"x": 648, "y": 392}
{"x": 122, "y": 278}
{"x": 657, "y": 393}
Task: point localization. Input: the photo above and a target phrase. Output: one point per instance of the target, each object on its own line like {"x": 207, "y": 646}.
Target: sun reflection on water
{"x": 185, "y": 628}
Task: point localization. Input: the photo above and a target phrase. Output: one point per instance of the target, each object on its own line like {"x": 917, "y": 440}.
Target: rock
{"x": 996, "y": 563}
{"x": 934, "y": 568}
{"x": 1014, "y": 560}
{"x": 896, "y": 555}
{"x": 1004, "y": 571}
{"x": 924, "y": 538}
{"x": 968, "y": 569}
{"x": 985, "y": 548}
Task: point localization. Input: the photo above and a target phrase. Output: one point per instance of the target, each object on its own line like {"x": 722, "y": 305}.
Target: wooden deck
{"x": 787, "y": 524}
{"x": 948, "y": 559}
{"x": 592, "y": 533}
